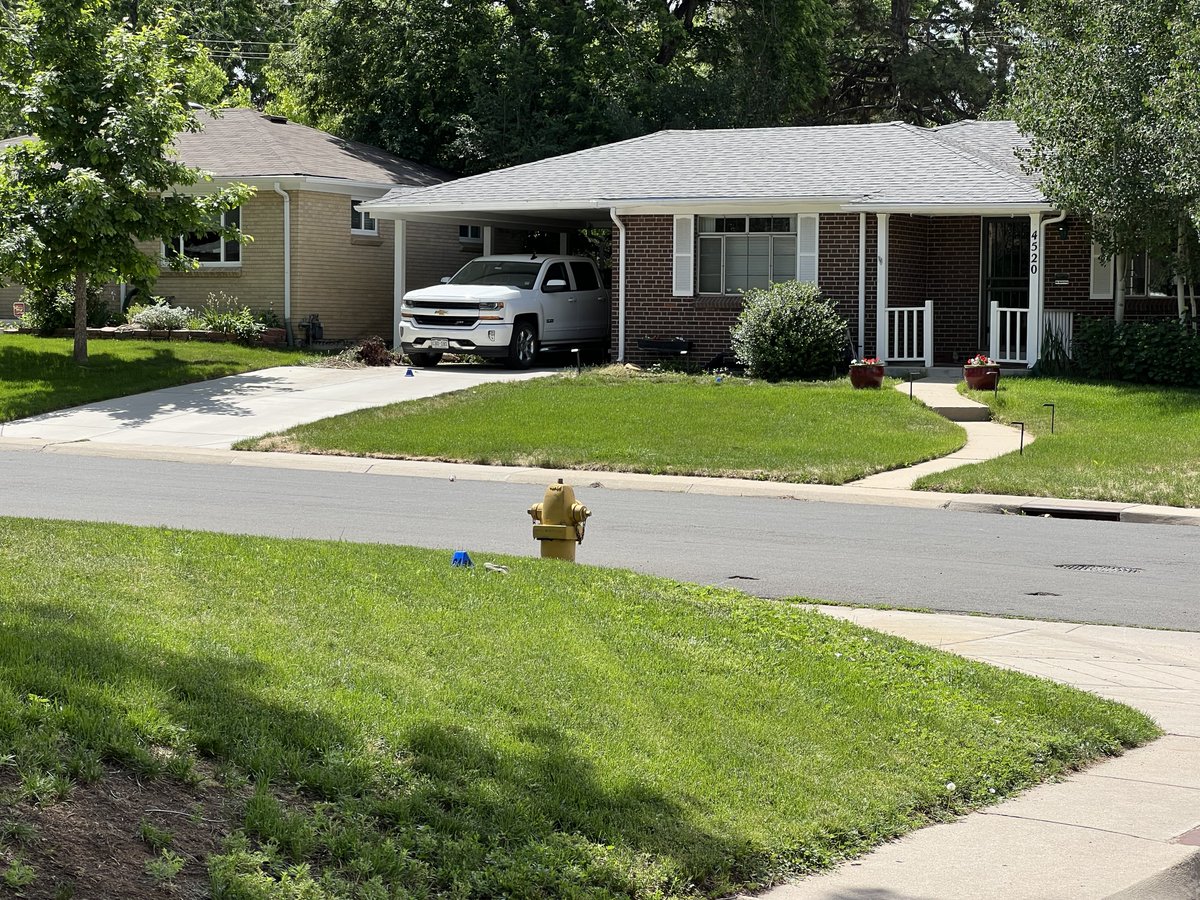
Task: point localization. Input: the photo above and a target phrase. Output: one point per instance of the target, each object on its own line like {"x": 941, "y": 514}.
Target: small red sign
{"x": 18, "y": 309}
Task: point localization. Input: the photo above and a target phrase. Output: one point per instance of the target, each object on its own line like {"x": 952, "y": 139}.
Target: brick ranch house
{"x": 933, "y": 242}
{"x": 314, "y": 251}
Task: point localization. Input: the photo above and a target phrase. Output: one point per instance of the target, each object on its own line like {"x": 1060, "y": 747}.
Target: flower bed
{"x": 270, "y": 337}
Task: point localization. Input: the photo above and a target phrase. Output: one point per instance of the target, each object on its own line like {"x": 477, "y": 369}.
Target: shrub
{"x": 52, "y": 309}
{"x": 161, "y": 316}
{"x": 225, "y": 314}
{"x": 268, "y": 318}
{"x": 788, "y": 331}
{"x": 1165, "y": 352}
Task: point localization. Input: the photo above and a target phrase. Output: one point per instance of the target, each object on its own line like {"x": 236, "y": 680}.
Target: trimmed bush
{"x": 1165, "y": 352}
{"x": 50, "y": 310}
{"x": 227, "y": 315}
{"x": 788, "y": 331}
{"x": 161, "y": 317}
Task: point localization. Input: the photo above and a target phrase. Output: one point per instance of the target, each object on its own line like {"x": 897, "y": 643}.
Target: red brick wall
{"x": 953, "y": 273}
{"x": 837, "y": 270}
{"x": 1070, "y": 260}
{"x": 650, "y": 310}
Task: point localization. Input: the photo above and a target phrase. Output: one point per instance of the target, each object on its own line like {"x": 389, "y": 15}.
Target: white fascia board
{"x": 401, "y": 208}
{"x": 291, "y": 183}
{"x": 950, "y": 209}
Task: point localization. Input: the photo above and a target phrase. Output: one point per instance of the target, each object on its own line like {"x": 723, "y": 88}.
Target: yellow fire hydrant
{"x": 558, "y": 522}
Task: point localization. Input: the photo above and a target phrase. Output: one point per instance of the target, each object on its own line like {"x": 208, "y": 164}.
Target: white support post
{"x": 929, "y": 334}
{"x": 399, "y": 276}
{"x": 862, "y": 285}
{"x": 881, "y": 287}
{"x": 994, "y": 330}
{"x": 1033, "y": 338}
{"x": 487, "y": 240}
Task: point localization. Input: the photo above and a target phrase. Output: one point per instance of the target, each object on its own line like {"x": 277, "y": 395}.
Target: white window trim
{"x": 467, "y": 239}
{"x": 223, "y": 264}
{"x": 795, "y": 233}
{"x": 363, "y": 232}
{"x": 1108, "y": 292}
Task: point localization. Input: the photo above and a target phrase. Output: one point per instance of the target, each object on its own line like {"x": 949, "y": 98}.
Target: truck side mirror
{"x": 554, "y": 284}
{"x": 445, "y": 279}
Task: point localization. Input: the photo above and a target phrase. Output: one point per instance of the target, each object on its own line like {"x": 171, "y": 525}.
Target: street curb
{"x": 1180, "y": 882}
{"x": 629, "y": 481}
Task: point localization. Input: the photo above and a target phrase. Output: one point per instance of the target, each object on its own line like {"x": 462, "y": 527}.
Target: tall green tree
{"x": 103, "y": 101}
{"x": 919, "y": 61}
{"x": 475, "y": 84}
{"x": 1105, "y": 91}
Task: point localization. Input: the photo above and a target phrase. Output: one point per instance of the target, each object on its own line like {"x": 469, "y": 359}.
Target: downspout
{"x": 862, "y": 284}
{"x": 620, "y": 287}
{"x": 287, "y": 263}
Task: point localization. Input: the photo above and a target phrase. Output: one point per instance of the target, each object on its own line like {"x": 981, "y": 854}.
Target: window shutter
{"x": 807, "y": 246}
{"x": 683, "y": 273}
{"x": 1102, "y": 274}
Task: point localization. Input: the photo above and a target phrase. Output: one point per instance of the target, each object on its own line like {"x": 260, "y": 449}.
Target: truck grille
{"x": 450, "y": 321}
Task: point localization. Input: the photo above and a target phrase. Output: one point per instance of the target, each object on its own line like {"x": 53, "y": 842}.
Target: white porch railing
{"x": 1010, "y": 334}
{"x": 910, "y": 334}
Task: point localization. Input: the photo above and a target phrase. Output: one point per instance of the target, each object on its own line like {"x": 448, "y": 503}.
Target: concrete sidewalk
{"x": 1125, "y": 828}
{"x": 221, "y": 412}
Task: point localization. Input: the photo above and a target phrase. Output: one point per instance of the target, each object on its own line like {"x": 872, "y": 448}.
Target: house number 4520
{"x": 1034, "y": 252}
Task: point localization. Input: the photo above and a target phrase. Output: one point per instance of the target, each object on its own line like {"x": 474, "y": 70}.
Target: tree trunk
{"x": 81, "y": 286}
{"x": 1119, "y": 292}
{"x": 1180, "y": 250}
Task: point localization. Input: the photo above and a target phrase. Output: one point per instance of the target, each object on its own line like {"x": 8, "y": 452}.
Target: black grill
{"x": 450, "y": 321}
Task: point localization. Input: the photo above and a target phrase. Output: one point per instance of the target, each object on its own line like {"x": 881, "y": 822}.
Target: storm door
{"x": 1005, "y": 269}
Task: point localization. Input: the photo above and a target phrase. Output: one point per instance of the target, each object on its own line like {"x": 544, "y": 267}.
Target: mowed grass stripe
{"x": 800, "y": 432}
{"x": 557, "y": 731}
{"x": 1123, "y": 442}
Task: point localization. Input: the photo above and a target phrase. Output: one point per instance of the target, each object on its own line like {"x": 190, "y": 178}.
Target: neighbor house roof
{"x": 868, "y": 166}
{"x": 244, "y": 143}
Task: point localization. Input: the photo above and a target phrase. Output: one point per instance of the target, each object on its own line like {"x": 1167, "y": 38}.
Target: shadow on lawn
{"x": 57, "y": 382}
{"x": 441, "y": 807}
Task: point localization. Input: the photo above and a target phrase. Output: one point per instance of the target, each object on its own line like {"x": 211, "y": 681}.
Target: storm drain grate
{"x": 1105, "y": 570}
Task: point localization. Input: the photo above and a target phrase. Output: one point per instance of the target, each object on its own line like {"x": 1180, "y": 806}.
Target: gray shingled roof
{"x": 243, "y": 143}
{"x": 883, "y": 164}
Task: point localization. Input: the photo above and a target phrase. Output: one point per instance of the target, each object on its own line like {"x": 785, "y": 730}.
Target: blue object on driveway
{"x": 462, "y": 558}
{"x": 408, "y": 374}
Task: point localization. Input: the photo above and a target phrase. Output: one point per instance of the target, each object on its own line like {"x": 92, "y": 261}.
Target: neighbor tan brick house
{"x": 934, "y": 242}
{"x": 313, "y": 250}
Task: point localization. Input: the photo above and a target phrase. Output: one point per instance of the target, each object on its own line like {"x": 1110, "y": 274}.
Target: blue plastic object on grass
{"x": 462, "y": 559}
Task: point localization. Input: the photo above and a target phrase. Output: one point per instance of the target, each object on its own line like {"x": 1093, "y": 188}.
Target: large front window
{"x": 209, "y": 248}
{"x": 742, "y": 252}
{"x": 1147, "y": 276}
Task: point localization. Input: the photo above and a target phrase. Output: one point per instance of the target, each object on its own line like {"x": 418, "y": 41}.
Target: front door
{"x": 1005, "y": 269}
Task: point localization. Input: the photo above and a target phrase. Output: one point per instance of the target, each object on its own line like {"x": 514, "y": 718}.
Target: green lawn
{"x": 38, "y": 375}
{"x": 558, "y": 731}
{"x": 1112, "y": 442}
{"x": 669, "y": 424}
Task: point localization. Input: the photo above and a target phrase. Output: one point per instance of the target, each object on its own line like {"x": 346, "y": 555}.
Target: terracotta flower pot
{"x": 866, "y": 376}
{"x": 981, "y": 378}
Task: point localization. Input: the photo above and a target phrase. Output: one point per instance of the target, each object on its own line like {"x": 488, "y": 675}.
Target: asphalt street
{"x": 929, "y": 559}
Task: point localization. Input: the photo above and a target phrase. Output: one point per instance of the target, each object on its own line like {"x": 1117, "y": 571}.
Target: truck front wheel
{"x": 425, "y": 360}
{"x": 522, "y": 349}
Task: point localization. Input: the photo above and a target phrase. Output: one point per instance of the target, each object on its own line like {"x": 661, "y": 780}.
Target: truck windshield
{"x": 507, "y": 272}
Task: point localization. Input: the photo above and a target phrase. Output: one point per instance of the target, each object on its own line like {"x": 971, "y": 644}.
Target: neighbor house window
{"x": 209, "y": 248}
{"x": 470, "y": 234}
{"x": 361, "y": 221}
{"x": 738, "y": 253}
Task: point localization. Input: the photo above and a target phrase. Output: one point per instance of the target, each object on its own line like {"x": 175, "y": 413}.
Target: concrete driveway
{"x": 217, "y": 413}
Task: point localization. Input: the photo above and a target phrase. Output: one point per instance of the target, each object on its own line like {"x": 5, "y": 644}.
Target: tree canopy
{"x": 104, "y": 101}
{"x": 1106, "y": 91}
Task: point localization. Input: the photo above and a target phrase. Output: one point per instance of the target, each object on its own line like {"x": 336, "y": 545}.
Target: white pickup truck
{"x": 507, "y": 307}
